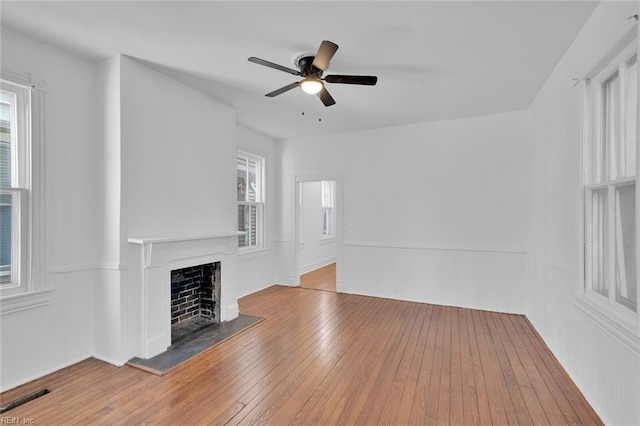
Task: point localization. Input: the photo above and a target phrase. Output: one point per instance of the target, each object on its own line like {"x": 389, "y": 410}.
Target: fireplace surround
{"x": 151, "y": 263}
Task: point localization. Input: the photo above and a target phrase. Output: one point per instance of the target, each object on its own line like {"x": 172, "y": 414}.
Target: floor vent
{"x": 18, "y": 402}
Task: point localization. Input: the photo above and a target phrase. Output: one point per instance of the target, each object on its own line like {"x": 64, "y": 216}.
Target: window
{"x": 15, "y": 185}
{"x": 610, "y": 255}
{"x": 327, "y": 208}
{"x": 250, "y": 191}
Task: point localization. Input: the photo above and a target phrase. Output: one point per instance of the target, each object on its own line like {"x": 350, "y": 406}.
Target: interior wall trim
{"x": 69, "y": 269}
{"x": 432, "y": 247}
{"x": 563, "y": 270}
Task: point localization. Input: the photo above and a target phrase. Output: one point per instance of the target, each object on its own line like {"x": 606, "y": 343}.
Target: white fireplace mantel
{"x": 151, "y": 261}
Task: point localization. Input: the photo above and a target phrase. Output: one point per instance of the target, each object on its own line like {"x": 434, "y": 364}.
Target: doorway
{"x": 318, "y": 233}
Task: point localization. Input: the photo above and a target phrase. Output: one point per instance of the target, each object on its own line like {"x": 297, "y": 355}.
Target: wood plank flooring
{"x": 320, "y": 279}
{"x": 325, "y": 358}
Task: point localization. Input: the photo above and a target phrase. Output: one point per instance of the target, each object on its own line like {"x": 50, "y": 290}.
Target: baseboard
{"x": 233, "y": 311}
{"x": 109, "y": 360}
{"x": 305, "y": 269}
{"x": 44, "y": 373}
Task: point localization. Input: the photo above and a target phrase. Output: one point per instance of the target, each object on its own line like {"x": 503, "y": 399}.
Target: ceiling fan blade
{"x": 326, "y": 98}
{"x": 283, "y": 89}
{"x": 274, "y": 66}
{"x": 325, "y": 52}
{"x": 367, "y": 80}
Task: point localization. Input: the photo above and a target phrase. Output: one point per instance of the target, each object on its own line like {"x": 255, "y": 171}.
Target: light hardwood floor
{"x": 325, "y": 358}
{"x": 321, "y": 279}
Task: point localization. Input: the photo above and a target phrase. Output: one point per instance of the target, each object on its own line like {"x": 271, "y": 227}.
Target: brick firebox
{"x": 195, "y": 292}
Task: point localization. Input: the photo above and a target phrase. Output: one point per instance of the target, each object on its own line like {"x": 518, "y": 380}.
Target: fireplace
{"x": 195, "y": 293}
{"x": 157, "y": 263}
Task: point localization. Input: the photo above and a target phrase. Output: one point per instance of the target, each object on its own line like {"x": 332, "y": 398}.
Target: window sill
{"x": 24, "y": 301}
{"x": 252, "y": 254}
{"x": 617, "y": 326}
{"x": 328, "y": 239}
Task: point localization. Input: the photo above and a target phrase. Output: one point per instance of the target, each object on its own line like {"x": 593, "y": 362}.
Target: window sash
{"x": 13, "y": 276}
{"x": 250, "y": 197}
{"x": 610, "y": 167}
{"x": 15, "y": 188}
{"x": 326, "y": 221}
{"x": 251, "y": 224}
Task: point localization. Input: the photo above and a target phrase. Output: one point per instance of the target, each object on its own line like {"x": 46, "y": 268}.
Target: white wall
{"x": 315, "y": 252}
{"x": 177, "y": 179}
{"x": 606, "y": 371}
{"x": 178, "y": 153}
{"x": 43, "y": 339}
{"x": 433, "y": 212}
{"x": 257, "y": 270}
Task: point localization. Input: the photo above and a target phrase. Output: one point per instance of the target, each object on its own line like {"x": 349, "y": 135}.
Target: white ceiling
{"x": 434, "y": 60}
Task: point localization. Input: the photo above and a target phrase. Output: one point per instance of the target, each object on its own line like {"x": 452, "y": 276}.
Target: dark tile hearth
{"x": 187, "y": 327}
{"x": 191, "y": 338}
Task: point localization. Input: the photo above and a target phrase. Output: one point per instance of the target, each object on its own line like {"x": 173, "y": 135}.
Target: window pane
{"x": 628, "y": 160}
{"x": 327, "y": 193}
{"x": 625, "y": 246}
{"x": 248, "y": 217}
{"x": 241, "y": 186}
{"x": 7, "y": 123}
{"x": 596, "y": 254}
{"x": 6, "y": 233}
{"x": 252, "y": 184}
{"x": 611, "y": 123}
{"x": 242, "y": 239}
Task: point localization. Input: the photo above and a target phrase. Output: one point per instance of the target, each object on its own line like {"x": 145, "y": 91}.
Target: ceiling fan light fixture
{"x": 311, "y": 85}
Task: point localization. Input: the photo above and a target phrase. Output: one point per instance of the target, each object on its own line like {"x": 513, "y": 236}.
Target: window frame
{"x": 618, "y": 319}
{"x": 259, "y": 203}
{"x": 19, "y": 189}
{"x": 327, "y": 203}
{"x": 32, "y": 289}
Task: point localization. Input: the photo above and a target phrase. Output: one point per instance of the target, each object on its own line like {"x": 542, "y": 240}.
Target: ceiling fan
{"x": 311, "y": 68}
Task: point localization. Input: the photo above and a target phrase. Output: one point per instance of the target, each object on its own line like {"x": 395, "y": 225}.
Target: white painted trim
{"x": 109, "y": 360}
{"x": 23, "y": 301}
{"x": 233, "y": 311}
{"x": 567, "y": 272}
{"x": 253, "y": 255}
{"x": 620, "y": 323}
{"x": 638, "y": 187}
{"x": 325, "y": 240}
{"x": 173, "y": 239}
{"x": 38, "y": 207}
{"x": 111, "y": 266}
{"x": 305, "y": 269}
{"x": 44, "y": 373}
{"x": 621, "y": 331}
{"x": 18, "y": 78}
{"x": 70, "y": 269}
{"x": 585, "y": 141}
{"x": 339, "y": 232}
{"x": 32, "y": 246}
{"x": 410, "y": 246}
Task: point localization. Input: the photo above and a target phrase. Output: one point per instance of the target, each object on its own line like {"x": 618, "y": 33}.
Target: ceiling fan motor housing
{"x": 304, "y": 63}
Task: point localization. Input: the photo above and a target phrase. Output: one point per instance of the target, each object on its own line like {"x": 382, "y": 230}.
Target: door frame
{"x": 297, "y": 185}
